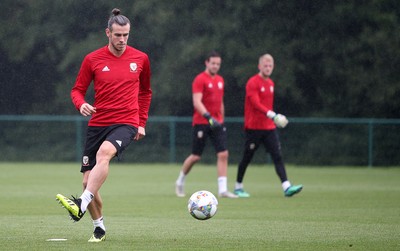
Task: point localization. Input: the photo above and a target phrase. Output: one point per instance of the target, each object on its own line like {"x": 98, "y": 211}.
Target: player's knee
{"x": 223, "y": 155}
{"x": 277, "y": 157}
{"x": 195, "y": 158}
{"x": 106, "y": 153}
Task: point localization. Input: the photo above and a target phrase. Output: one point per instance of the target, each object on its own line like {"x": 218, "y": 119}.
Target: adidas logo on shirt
{"x": 106, "y": 68}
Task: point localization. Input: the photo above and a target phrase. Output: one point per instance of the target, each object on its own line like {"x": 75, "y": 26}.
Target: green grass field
{"x": 340, "y": 208}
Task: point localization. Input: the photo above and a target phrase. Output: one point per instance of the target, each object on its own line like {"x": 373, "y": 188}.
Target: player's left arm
{"x": 144, "y": 95}
{"x": 140, "y": 134}
{"x": 223, "y": 110}
{"x": 280, "y": 120}
{"x": 144, "y": 98}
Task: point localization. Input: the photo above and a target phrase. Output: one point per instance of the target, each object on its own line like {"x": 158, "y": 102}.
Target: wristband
{"x": 271, "y": 114}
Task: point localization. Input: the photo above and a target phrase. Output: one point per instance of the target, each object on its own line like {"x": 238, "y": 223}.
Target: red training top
{"x": 121, "y": 85}
{"x": 212, "y": 88}
{"x": 259, "y": 100}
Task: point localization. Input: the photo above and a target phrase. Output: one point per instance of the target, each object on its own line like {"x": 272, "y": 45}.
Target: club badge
{"x": 85, "y": 161}
{"x": 133, "y": 67}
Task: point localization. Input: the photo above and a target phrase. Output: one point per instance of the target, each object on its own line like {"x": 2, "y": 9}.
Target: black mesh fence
{"x": 305, "y": 141}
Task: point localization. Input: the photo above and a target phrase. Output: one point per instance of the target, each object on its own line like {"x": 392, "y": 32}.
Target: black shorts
{"x": 119, "y": 135}
{"x": 269, "y": 138}
{"x": 202, "y": 132}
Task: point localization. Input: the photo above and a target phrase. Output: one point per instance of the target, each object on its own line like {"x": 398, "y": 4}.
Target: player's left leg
{"x": 273, "y": 145}
{"x": 95, "y": 209}
{"x": 222, "y": 171}
{"x": 219, "y": 140}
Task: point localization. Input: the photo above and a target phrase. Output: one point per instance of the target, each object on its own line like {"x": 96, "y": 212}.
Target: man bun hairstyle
{"x": 117, "y": 18}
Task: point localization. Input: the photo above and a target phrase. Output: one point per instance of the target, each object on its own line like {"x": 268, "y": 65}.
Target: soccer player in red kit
{"x": 121, "y": 79}
{"x": 260, "y": 122}
{"x": 208, "y": 119}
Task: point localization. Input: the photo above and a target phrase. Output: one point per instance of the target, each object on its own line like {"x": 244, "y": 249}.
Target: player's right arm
{"x": 254, "y": 98}
{"x": 200, "y": 108}
{"x": 198, "y": 103}
{"x": 78, "y": 92}
{"x": 87, "y": 110}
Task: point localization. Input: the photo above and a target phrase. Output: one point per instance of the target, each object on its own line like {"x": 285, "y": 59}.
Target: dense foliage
{"x": 333, "y": 58}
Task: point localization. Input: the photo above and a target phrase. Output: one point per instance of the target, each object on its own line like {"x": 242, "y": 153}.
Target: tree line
{"x": 332, "y": 58}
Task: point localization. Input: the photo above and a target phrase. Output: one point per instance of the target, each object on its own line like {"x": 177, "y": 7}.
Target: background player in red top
{"x": 260, "y": 122}
{"x": 121, "y": 79}
{"x": 208, "y": 119}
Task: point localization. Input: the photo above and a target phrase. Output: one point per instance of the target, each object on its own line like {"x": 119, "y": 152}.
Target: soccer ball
{"x": 202, "y": 205}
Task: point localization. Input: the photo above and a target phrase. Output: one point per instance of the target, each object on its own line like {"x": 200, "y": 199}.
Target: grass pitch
{"x": 340, "y": 208}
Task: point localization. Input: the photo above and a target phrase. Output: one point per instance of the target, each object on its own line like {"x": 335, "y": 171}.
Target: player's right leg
{"x": 250, "y": 147}
{"x": 94, "y": 179}
{"x": 199, "y": 137}
{"x": 73, "y": 206}
{"x": 186, "y": 167}
{"x": 94, "y": 138}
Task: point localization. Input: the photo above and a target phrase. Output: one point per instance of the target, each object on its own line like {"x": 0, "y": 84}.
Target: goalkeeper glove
{"x": 212, "y": 121}
{"x": 280, "y": 120}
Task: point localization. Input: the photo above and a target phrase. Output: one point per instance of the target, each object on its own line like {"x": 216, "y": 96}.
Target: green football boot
{"x": 292, "y": 190}
{"x": 241, "y": 193}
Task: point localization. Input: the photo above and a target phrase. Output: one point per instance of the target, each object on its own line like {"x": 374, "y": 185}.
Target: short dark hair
{"x": 213, "y": 54}
{"x": 116, "y": 17}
